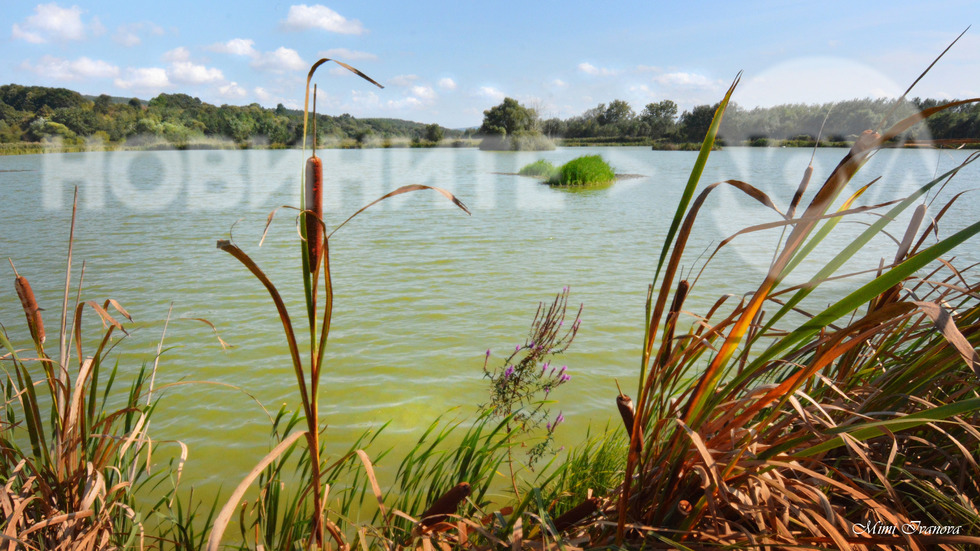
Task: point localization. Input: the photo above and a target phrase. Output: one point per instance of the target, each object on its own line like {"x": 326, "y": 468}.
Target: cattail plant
{"x": 747, "y": 426}
{"x": 315, "y": 254}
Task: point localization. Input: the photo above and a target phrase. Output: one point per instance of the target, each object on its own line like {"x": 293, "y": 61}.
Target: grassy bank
{"x": 34, "y": 148}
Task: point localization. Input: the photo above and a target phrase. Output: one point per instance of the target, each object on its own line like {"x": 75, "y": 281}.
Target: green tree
{"x": 507, "y": 118}
{"x": 659, "y": 118}
{"x": 695, "y": 123}
{"x": 617, "y": 113}
{"x": 434, "y": 133}
{"x": 102, "y": 103}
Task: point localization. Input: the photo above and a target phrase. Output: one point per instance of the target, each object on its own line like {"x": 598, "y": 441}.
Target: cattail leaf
{"x": 944, "y": 323}
{"x": 224, "y": 516}
{"x": 369, "y": 469}
{"x": 399, "y": 191}
{"x": 287, "y": 324}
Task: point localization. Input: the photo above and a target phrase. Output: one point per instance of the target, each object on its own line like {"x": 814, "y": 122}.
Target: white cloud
{"x": 491, "y": 92}
{"x": 403, "y": 80}
{"x": 94, "y": 68}
{"x": 177, "y": 54}
{"x": 279, "y": 61}
{"x": 17, "y": 33}
{"x": 186, "y": 72}
{"x": 447, "y": 83}
{"x": 52, "y": 22}
{"x": 236, "y": 46}
{"x": 424, "y": 92}
{"x": 303, "y": 17}
{"x": 57, "y": 69}
{"x": 405, "y": 103}
{"x": 591, "y": 69}
{"x": 689, "y": 80}
{"x": 343, "y": 54}
{"x": 559, "y": 83}
{"x": 232, "y": 90}
{"x": 127, "y": 38}
{"x": 129, "y": 35}
{"x": 150, "y": 79}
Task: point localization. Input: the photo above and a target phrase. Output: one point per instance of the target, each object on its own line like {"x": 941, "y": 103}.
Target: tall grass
{"x": 759, "y": 430}
{"x": 71, "y": 463}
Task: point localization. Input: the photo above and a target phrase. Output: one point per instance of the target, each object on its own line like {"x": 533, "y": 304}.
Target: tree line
{"x": 37, "y": 113}
{"x": 661, "y": 121}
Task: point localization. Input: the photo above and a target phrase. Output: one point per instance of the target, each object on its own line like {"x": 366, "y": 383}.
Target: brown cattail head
{"x": 314, "y": 206}
{"x": 31, "y": 310}
{"x": 577, "y": 514}
{"x": 625, "y": 405}
{"x": 445, "y": 505}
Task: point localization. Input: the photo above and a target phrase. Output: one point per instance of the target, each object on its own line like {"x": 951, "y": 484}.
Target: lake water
{"x": 422, "y": 289}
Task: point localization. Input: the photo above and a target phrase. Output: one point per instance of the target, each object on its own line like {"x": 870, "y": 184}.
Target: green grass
{"x": 540, "y": 168}
{"x": 587, "y": 170}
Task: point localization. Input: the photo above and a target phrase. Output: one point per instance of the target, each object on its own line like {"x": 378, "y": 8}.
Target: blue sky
{"x": 446, "y": 62}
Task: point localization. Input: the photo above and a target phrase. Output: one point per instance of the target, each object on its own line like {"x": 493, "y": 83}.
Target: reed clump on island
{"x": 768, "y": 420}
{"x": 539, "y": 169}
{"x": 587, "y": 170}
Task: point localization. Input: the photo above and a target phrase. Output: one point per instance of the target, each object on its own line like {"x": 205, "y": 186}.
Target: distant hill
{"x": 38, "y": 113}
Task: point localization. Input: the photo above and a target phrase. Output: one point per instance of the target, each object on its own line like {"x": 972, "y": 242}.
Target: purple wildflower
{"x": 559, "y": 419}
{"x": 488, "y": 352}
{"x": 509, "y": 372}
{"x": 563, "y": 368}
{"x": 517, "y": 348}
{"x": 565, "y": 378}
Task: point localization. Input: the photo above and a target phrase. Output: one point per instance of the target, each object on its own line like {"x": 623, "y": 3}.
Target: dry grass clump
{"x": 70, "y": 464}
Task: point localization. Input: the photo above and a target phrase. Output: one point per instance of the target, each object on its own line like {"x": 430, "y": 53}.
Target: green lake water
{"x": 421, "y": 289}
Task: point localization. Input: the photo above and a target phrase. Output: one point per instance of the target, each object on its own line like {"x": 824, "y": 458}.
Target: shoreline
{"x": 33, "y": 148}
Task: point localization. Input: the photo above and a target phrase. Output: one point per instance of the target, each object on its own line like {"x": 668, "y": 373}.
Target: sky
{"x": 447, "y": 62}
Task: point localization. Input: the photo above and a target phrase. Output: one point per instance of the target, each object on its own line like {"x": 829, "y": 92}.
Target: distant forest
{"x": 831, "y": 122}
{"x": 36, "y": 114}
{"x": 39, "y": 114}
